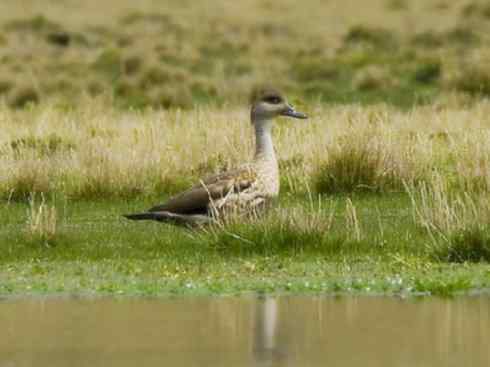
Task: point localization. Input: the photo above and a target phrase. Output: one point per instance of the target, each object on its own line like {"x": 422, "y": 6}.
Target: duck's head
{"x": 268, "y": 103}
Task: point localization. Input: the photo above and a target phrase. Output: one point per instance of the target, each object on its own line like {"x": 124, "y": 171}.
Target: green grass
{"x": 470, "y": 245}
{"x": 95, "y": 251}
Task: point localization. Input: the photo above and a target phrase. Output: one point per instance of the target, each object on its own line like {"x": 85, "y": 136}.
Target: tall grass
{"x": 319, "y": 227}
{"x": 96, "y": 152}
{"x": 456, "y": 221}
{"x": 42, "y": 221}
{"x": 368, "y": 157}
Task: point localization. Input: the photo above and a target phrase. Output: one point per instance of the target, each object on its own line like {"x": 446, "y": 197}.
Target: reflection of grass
{"x": 177, "y": 57}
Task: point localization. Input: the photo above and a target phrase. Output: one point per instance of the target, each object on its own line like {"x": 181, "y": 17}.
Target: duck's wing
{"x": 197, "y": 198}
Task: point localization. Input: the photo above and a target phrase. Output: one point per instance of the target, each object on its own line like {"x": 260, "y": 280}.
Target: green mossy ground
{"x": 96, "y": 251}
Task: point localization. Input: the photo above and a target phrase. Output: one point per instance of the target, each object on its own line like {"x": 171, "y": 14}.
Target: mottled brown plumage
{"x": 198, "y": 197}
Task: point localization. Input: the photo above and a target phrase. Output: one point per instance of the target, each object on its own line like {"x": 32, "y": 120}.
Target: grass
{"x": 172, "y": 55}
{"x": 318, "y": 247}
{"x": 109, "y": 109}
{"x": 369, "y": 195}
{"x": 41, "y": 223}
{"x": 95, "y": 152}
{"x": 457, "y": 222}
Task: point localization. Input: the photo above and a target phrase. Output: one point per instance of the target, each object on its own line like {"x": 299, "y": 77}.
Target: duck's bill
{"x": 291, "y": 112}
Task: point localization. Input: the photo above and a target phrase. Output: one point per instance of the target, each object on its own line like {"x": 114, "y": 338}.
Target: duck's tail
{"x": 141, "y": 216}
{"x": 164, "y": 216}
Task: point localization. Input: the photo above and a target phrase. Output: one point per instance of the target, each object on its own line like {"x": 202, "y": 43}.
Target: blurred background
{"x": 168, "y": 54}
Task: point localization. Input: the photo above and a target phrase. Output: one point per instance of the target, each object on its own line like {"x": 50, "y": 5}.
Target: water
{"x": 283, "y": 331}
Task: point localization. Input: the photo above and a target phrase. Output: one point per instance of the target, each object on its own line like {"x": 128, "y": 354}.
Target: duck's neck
{"x": 266, "y": 164}
{"x": 264, "y": 149}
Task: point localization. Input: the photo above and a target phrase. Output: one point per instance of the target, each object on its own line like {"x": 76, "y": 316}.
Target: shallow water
{"x": 282, "y": 331}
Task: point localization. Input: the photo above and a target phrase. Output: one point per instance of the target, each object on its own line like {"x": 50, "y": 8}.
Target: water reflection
{"x": 267, "y": 350}
{"x": 283, "y": 331}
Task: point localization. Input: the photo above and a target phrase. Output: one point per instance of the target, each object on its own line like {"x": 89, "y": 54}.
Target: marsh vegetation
{"x": 386, "y": 188}
{"x": 369, "y": 194}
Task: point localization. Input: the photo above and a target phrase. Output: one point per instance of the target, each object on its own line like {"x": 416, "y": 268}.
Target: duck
{"x": 246, "y": 189}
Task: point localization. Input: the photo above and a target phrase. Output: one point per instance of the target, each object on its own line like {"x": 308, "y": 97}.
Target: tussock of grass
{"x": 472, "y": 76}
{"x": 476, "y": 9}
{"x": 374, "y": 37}
{"x": 132, "y": 64}
{"x": 366, "y": 158}
{"x": 456, "y": 222}
{"x": 61, "y": 39}
{"x": 469, "y": 245}
{"x": 350, "y": 168}
{"x": 428, "y": 72}
{"x": 438, "y": 209}
{"x": 5, "y": 86}
{"x": 41, "y": 221}
{"x": 27, "y": 177}
{"x": 24, "y": 96}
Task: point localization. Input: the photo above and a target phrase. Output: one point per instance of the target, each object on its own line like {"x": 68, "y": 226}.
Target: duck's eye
{"x": 273, "y": 100}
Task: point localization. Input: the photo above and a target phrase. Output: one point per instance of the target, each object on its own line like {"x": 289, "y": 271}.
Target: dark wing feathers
{"x": 196, "y": 199}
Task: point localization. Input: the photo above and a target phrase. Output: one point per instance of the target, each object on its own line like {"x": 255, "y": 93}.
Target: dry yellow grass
{"x": 177, "y": 54}
{"x": 41, "y": 220}
{"x": 96, "y": 151}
